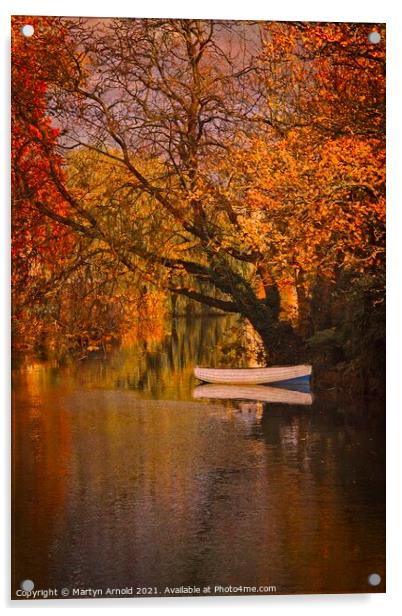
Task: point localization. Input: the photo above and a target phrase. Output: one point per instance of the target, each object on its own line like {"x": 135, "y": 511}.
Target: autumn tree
{"x": 241, "y": 148}
{"x": 40, "y": 244}
{"x": 328, "y": 164}
{"x": 61, "y": 283}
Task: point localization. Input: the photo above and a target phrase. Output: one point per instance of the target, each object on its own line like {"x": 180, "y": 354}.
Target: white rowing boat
{"x": 252, "y": 376}
{"x": 260, "y": 393}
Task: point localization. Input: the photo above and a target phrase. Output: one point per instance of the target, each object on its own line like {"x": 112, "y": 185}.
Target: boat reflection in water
{"x": 249, "y": 401}
{"x": 257, "y": 393}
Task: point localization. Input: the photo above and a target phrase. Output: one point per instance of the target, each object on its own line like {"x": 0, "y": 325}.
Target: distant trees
{"x": 218, "y": 160}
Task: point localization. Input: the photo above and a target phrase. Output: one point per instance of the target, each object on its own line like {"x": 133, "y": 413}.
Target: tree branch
{"x": 226, "y": 306}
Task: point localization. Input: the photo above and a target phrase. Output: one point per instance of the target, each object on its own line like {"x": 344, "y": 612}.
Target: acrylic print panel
{"x": 197, "y": 194}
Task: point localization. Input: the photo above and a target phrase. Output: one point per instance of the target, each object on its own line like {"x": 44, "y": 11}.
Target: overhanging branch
{"x": 207, "y": 300}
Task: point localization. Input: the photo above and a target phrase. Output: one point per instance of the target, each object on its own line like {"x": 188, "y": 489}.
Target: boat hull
{"x": 252, "y": 376}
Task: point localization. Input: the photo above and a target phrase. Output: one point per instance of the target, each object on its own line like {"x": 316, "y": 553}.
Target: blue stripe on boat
{"x": 301, "y": 383}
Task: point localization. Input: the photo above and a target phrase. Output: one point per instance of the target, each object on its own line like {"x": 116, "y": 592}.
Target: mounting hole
{"x": 374, "y": 37}
{"x": 374, "y": 579}
{"x": 27, "y": 585}
{"x": 27, "y": 30}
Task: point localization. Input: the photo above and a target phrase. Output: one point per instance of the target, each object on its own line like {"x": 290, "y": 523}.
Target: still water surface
{"x": 121, "y": 478}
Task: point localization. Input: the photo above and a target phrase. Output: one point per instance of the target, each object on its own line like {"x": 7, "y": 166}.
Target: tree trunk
{"x": 281, "y": 343}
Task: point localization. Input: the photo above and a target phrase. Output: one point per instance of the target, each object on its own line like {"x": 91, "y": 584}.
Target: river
{"x": 122, "y": 479}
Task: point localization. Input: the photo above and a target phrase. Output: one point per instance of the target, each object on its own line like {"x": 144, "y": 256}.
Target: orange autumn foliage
{"x": 313, "y": 192}
{"x": 313, "y": 208}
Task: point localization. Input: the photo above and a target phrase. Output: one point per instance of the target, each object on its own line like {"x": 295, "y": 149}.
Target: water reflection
{"x": 122, "y": 478}
{"x": 260, "y": 393}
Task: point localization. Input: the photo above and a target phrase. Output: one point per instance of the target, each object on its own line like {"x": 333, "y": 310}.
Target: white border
{"x": 308, "y": 10}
